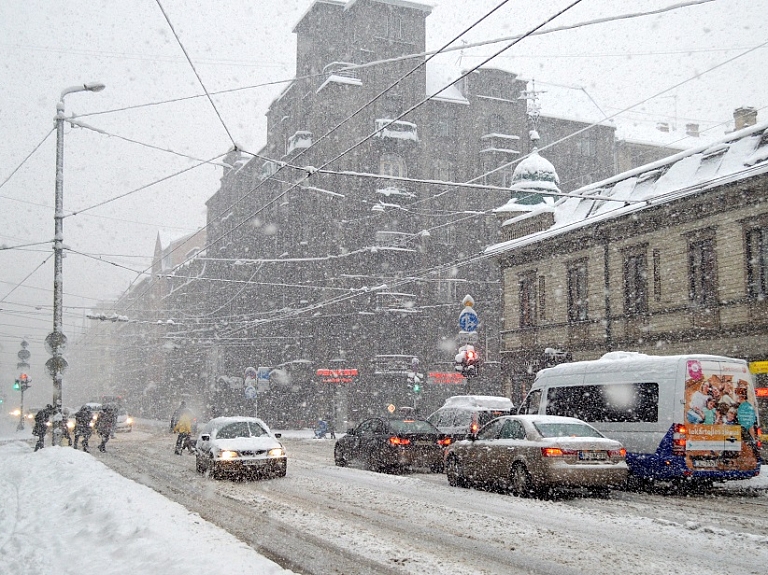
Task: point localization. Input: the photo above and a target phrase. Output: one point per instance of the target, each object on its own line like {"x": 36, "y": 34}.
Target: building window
{"x": 635, "y": 284}
{"x": 577, "y": 292}
{"x": 542, "y": 298}
{"x": 702, "y": 272}
{"x": 657, "y": 275}
{"x": 392, "y": 165}
{"x": 528, "y": 298}
{"x": 443, "y": 171}
{"x": 757, "y": 263}
{"x": 395, "y": 27}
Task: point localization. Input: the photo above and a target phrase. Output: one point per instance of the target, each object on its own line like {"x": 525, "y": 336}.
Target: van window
{"x": 531, "y": 403}
{"x": 463, "y": 418}
{"x": 484, "y": 417}
{"x": 637, "y": 402}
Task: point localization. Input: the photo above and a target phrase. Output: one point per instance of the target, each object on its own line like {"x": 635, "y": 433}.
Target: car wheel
{"x": 210, "y": 469}
{"x": 520, "y": 482}
{"x": 453, "y": 473}
{"x": 199, "y": 467}
{"x": 338, "y": 457}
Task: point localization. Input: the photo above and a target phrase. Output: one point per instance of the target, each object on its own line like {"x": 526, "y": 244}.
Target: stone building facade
{"x": 671, "y": 259}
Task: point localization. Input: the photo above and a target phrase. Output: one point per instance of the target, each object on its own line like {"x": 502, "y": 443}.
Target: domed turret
{"x": 534, "y": 178}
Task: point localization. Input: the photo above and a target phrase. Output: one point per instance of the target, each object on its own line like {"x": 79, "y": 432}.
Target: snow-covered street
{"x": 65, "y": 510}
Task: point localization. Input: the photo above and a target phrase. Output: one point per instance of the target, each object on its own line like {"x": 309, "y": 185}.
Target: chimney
{"x": 744, "y": 117}
{"x": 692, "y": 130}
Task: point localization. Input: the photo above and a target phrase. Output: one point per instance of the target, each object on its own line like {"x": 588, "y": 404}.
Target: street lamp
{"x": 56, "y": 340}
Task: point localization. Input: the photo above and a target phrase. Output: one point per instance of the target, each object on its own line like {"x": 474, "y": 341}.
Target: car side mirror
{"x": 205, "y": 437}
{"x": 278, "y": 435}
{"x": 472, "y": 436}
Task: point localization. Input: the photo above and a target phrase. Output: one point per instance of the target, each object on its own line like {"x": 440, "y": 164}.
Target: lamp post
{"x": 56, "y": 341}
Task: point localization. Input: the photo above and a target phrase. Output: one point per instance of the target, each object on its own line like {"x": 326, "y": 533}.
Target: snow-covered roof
{"x": 402, "y": 3}
{"x": 734, "y": 157}
{"x": 479, "y": 401}
{"x": 311, "y": 7}
{"x": 439, "y": 76}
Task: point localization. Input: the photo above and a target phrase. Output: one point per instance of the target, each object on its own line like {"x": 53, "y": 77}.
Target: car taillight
{"x": 445, "y": 441}
{"x": 679, "y": 437}
{"x": 622, "y": 453}
{"x": 556, "y": 452}
{"x": 399, "y": 441}
{"x": 474, "y": 427}
{"x": 759, "y": 438}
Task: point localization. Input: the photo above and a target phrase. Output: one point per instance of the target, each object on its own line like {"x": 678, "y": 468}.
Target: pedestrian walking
{"x": 83, "y": 420}
{"x": 105, "y": 423}
{"x": 184, "y": 428}
{"x": 60, "y": 420}
{"x": 175, "y": 416}
{"x": 41, "y": 425}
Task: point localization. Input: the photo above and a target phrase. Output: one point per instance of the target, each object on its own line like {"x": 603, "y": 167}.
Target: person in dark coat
{"x": 105, "y": 424}
{"x": 41, "y": 425}
{"x": 83, "y": 419}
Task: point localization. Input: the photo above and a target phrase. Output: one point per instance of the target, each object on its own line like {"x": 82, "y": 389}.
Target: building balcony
{"x": 299, "y": 141}
{"x": 396, "y": 130}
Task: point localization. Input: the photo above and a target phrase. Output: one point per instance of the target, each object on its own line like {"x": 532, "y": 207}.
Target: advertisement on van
{"x": 721, "y": 416}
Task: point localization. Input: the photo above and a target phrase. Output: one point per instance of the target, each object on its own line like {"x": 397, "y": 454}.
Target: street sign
{"x": 250, "y": 392}
{"x": 56, "y": 365}
{"x": 55, "y": 341}
{"x": 468, "y": 320}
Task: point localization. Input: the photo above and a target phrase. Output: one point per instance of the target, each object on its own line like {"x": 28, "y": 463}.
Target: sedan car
{"x": 239, "y": 446}
{"x": 124, "y": 421}
{"x": 390, "y": 444}
{"x": 532, "y": 454}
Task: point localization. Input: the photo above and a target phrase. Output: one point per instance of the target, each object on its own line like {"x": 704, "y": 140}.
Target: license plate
{"x": 704, "y": 463}
{"x": 254, "y": 462}
{"x": 592, "y": 455}
{"x": 424, "y": 442}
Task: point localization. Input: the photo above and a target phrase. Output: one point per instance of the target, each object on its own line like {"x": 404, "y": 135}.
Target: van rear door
{"x": 715, "y": 439}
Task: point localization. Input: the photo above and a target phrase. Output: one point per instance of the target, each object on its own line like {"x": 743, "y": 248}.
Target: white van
{"x": 461, "y": 415}
{"x": 685, "y": 416}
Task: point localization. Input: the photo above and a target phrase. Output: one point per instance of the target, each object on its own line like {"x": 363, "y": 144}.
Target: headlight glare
{"x": 276, "y": 452}
{"x": 226, "y": 454}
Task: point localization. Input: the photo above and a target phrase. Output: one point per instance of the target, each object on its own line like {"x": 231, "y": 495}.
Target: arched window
{"x": 392, "y": 165}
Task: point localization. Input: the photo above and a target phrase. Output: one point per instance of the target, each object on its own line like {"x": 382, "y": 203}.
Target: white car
{"x": 239, "y": 446}
{"x": 124, "y": 421}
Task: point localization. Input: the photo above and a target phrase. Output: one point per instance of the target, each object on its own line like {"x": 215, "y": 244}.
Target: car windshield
{"x": 566, "y": 430}
{"x": 411, "y": 426}
{"x": 241, "y": 429}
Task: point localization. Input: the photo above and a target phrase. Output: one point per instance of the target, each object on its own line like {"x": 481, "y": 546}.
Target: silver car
{"x": 531, "y": 454}
{"x": 240, "y": 446}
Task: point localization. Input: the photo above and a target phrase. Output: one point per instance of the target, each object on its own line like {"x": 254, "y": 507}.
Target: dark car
{"x": 532, "y": 454}
{"x": 392, "y": 444}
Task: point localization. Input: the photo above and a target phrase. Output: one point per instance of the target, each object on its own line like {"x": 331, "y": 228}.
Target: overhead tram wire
{"x": 614, "y": 115}
{"x": 192, "y": 65}
{"x": 599, "y": 21}
{"x": 24, "y": 161}
{"x": 412, "y": 108}
{"x": 29, "y": 275}
{"x": 282, "y": 164}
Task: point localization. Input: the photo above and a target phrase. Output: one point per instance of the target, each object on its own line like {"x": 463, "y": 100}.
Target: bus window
{"x": 636, "y": 402}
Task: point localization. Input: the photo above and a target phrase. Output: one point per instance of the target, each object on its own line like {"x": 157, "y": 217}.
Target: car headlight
{"x": 129, "y": 420}
{"x": 276, "y": 452}
{"x": 226, "y": 454}
{"x": 70, "y": 425}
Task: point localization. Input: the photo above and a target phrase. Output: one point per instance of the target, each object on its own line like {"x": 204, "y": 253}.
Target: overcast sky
{"x": 154, "y": 124}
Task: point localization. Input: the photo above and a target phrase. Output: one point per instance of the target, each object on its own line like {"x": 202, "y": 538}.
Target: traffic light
{"x": 415, "y": 380}
{"x": 417, "y": 387}
{"x": 467, "y": 361}
{"x": 17, "y": 385}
